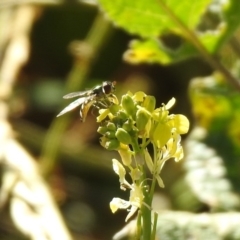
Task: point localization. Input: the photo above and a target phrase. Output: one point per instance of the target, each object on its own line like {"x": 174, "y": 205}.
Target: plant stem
{"x": 149, "y": 232}
{"x": 154, "y": 226}
{"x": 153, "y": 185}
{"x": 139, "y": 226}
{"x": 146, "y": 216}
{"x": 199, "y": 46}
{"x": 146, "y": 208}
{"x": 82, "y": 66}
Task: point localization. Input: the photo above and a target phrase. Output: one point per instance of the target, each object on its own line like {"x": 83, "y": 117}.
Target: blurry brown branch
{"x": 32, "y": 208}
{"x": 19, "y": 23}
{"x": 31, "y": 205}
{"x": 14, "y": 3}
{"x": 234, "y": 43}
{"x": 192, "y": 38}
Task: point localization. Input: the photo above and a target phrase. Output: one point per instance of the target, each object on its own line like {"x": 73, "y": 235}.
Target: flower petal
{"x": 148, "y": 160}
{"x": 126, "y": 155}
{"x": 136, "y": 174}
{"x": 179, "y": 154}
{"x": 102, "y": 114}
{"x": 139, "y": 96}
{"x": 136, "y": 196}
{"x": 170, "y": 103}
{"x": 160, "y": 181}
{"x": 161, "y": 134}
{"x": 121, "y": 172}
{"x": 181, "y": 123}
{"x": 131, "y": 212}
{"x": 118, "y": 168}
{"x": 118, "y": 203}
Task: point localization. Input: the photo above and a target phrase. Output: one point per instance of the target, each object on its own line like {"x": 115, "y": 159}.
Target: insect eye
{"x": 108, "y": 87}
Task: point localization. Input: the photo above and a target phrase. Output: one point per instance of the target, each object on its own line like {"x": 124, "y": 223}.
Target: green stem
{"x": 135, "y": 145}
{"x": 146, "y": 217}
{"x": 149, "y": 232}
{"x": 152, "y": 189}
{"x": 153, "y": 185}
{"x": 145, "y": 143}
{"x": 154, "y": 229}
{"x": 147, "y": 228}
{"x": 139, "y": 225}
{"x": 199, "y": 46}
{"x": 146, "y": 208}
{"x": 82, "y": 66}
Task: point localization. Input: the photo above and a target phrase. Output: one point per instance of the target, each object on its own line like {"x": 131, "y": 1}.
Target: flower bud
{"x": 117, "y": 121}
{"x": 102, "y": 130}
{"x": 112, "y": 144}
{"x": 139, "y": 96}
{"x": 111, "y": 126}
{"x": 123, "y": 136}
{"x": 142, "y": 118}
{"x": 149, "y": 103}
{"x": 128, "y": 105}
{"x": 114, "y": 109}
{"x": 128, "y": 125}
{"x": 110, "y": 134}
{"x": 123, "y": 115}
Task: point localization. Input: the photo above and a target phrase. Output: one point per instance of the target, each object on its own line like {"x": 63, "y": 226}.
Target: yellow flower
{"x": 135, "y": 202}
{"x": 121, "y": 172}
{"x": 180, "y": 122}
{"x": 103, "y": 113}
{"x": 126, "y": 155}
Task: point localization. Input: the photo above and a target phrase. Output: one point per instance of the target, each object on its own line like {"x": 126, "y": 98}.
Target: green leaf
{"x": 152, "y": 51}
{"x": 147, "y": 18}
{"x": 213, "y": 40}
{"x": 146, "y": 51}
{"x": 232, "y": 21}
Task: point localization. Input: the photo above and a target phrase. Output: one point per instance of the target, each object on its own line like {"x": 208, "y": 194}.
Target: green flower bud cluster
{"x": 136, "y": 118}
{"x": 109, "y": 140}
{"x": 117, "y": 132}
{"x": 127, "y": 121}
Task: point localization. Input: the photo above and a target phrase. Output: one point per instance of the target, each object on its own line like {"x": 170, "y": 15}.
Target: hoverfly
{"x": 101, "y": 95}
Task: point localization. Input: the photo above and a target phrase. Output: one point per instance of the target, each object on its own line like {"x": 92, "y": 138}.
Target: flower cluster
{"x": 130, "y": 127}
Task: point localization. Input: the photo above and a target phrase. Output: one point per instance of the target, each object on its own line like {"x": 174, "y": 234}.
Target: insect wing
{"x": 78, "y": 94}
{"x": 72, "y": 105}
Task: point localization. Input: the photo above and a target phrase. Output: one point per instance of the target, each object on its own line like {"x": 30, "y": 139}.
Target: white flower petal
{"x": 117, "y": 203}
{"x": 170, "y": 103}
{"x": 121, "y": 172}
{"x": 131, "y": 212}
{"x": 118, "y": 168}
{"x": 136, "y": 196}
{"x": 179, "y": 154}
{"x": 136, "y": 174}
{"x": 160, "y": 181}
{"x": 148, "y": 160}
